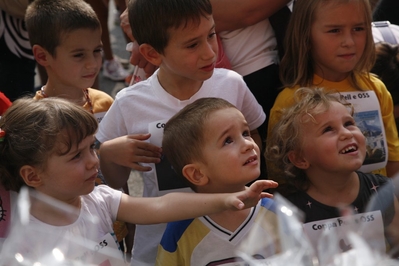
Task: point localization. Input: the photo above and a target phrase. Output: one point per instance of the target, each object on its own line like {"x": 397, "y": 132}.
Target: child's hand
{"x": 251, "y": 196}
{"x": 131, "y": 150}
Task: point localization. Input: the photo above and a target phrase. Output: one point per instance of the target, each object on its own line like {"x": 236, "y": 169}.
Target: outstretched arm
{"x": 179, "y": 206}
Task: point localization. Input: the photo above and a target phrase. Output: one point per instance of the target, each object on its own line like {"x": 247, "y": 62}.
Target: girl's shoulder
{"x": 370, "y": 81}
{"x": 372, "y": 180}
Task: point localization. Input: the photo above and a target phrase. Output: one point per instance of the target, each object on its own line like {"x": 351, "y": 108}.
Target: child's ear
{"x": 298, "y": 160}
{"x": 30, "y": 176}
{"x": 150, "y": 54}
{"x": 194, "y": 174}
{"x": 41, "y": 55}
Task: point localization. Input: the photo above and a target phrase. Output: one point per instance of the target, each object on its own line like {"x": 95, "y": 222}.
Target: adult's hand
{"x": 125, "y": 25}
{"x": 136, "y": 58}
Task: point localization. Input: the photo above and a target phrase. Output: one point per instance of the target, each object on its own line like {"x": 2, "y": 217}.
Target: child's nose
{"x": 248, "y": 144}
{"x": 346, "y": 133}
{"x": 209, "y": 51}
{"x": 93, "y": 161}
{"x": 347, "y": 39}
{"x": 92, "y": 61}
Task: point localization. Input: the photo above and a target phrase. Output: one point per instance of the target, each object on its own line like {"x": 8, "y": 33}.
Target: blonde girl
{"x": 320, "y": 148}
{"x": 329, "y": 44}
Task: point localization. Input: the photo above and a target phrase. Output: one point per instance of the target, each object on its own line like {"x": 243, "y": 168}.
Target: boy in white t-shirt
{"x": 182, "y": 42}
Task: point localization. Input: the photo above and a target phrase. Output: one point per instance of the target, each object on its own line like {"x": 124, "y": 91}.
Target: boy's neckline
{"x": 181, "y": 92}
{"x": 85, "y": 93}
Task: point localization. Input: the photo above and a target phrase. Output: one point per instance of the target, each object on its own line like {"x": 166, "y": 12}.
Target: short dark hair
{"x": 184, "y": 133}
{"x": 47, "y": 20}
{"x": 151, "y": 20}
{"x": 386, "y": 67}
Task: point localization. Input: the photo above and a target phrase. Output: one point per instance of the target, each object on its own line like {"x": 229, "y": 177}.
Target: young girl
{"x": 320, "y": 148}
{"x": 48, "y": 145}
{"x": 329, "y": 44}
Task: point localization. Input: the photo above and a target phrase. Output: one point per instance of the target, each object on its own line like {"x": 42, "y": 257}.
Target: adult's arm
{"x": 236, "y": 14}
{"x": 15, "y": 8}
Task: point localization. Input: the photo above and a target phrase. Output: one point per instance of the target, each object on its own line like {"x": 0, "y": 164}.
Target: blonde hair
{"x": 286, "y": 136}
{"x": 297, "y": 65}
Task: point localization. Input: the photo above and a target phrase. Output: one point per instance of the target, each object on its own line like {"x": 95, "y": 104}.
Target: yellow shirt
{"x": 286, "y": 99}
{"x": 100, "y": 102}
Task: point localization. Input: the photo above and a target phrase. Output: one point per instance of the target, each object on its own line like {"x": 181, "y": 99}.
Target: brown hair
{"x": 153, "y": 19}
{"x": 297, "y": 65}
{"x": 46, "y": 21}
{"x": 33, "y": 131}
{"x": 386, "y": 67}
{"x": 184, "y": 133}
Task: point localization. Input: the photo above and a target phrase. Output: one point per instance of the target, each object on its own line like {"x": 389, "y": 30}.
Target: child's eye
{"x": 359, "y": 29}
{"x": 246, "y": 133}
{"x": 99, "y": 50}
{"x": 77, "y": 156}
{"x": 212, "y": 35}
{"x": 349, "y": 123}
{"x": 327, "y": 129}
{"x": 78, "y": 55}
{"x": 192, "y": 45}
{"x": 93, "y": 146}
{"x": 227, "y": 141}
{"x": 334, "y": 31}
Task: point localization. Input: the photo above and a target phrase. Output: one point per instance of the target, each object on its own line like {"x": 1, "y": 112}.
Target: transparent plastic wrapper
{"x": 360, "y": 254}
{"x": 371, "y": 237}
{"x": 38, "y": 235}
{"x": 293, "y": 247}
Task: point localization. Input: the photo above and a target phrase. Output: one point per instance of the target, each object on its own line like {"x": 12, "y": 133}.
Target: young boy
{"x": 70, "y": 49}
{"x": 66, "y": 40}
{"x": 182, "y": 42}
{"x": 209, "y": 145}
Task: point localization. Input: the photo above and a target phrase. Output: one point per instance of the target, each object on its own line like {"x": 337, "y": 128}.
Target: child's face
{"x": 338, "y": 39}
{"x": 77, "y": 59}
{"x": 191, "y": 52}
{"x": 231, "y": 157}
{"x": 333, "y": 143}
{"x": 68, "y": 176}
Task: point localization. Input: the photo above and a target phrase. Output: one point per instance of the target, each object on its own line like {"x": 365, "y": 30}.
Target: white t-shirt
{"x": 251, "y": 48}
{"x": 8, "y": 201}
{"x": 378, "y": 37}
{"x": 78, "y": 240}
{"x": 145, "y": 107}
